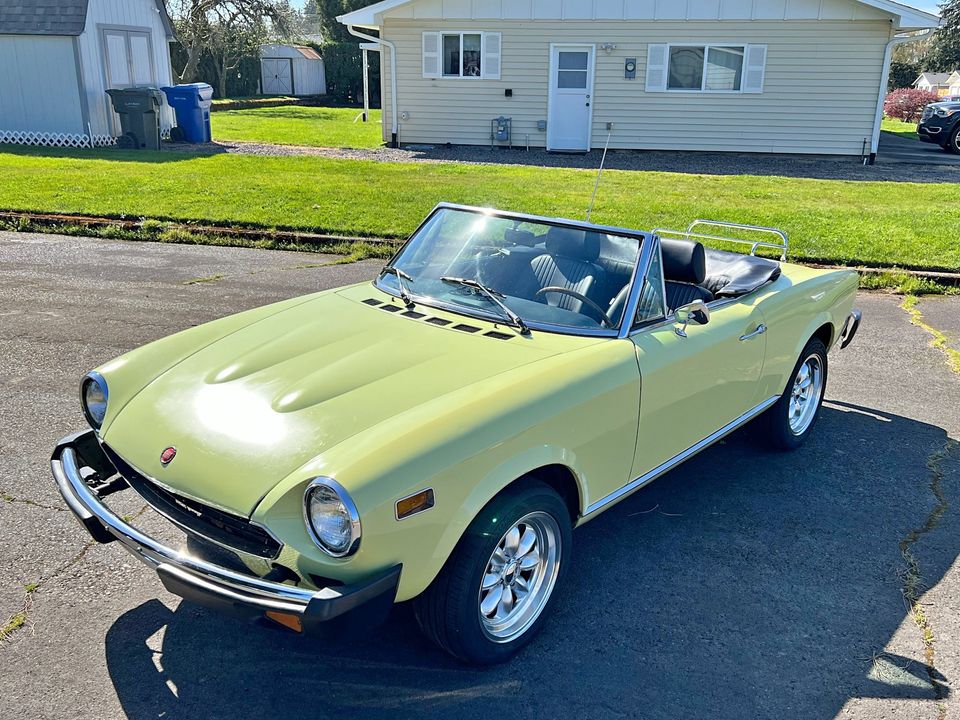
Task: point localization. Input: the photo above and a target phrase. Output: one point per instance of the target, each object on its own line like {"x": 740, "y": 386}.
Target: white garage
{"x": 58, "y": 58}
{"x": 291, "y": 70}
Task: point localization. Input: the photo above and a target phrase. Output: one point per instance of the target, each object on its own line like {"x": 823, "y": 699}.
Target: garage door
{"x": 277, "y": 76}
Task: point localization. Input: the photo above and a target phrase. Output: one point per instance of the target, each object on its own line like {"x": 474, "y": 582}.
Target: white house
{"x": 58, "y": 58}
{"x": 725, "y": 75}
{"x": 291, "y": 70}
{"x": 953, "y": 84}
{"x": 938, "y": 83}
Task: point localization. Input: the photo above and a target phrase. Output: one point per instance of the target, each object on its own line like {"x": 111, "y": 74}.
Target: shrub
{"x": 907, "y": 103}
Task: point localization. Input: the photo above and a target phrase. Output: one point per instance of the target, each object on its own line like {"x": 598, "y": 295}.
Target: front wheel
{"x": 789, "y": 421}
{"x": 489, "y": 600}
{"x": 953, "y": 144}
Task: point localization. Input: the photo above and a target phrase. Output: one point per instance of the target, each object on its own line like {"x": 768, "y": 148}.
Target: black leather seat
{"x": 570, "y": 262}
{"x": 684, "y": 269}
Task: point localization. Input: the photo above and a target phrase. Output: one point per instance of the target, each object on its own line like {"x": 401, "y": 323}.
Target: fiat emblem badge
{"x": 167, "y": 456}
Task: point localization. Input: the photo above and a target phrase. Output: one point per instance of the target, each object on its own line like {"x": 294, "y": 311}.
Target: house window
{"x": 705, "y": 68}
{"x": 462, "y": 55}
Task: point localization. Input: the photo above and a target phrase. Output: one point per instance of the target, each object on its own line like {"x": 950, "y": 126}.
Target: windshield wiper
{"x": 401, "y": 276}
{"x": 494, "y": 297}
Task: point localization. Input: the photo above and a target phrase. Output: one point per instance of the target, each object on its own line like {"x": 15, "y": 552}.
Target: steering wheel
{"x": 579, "y": 296}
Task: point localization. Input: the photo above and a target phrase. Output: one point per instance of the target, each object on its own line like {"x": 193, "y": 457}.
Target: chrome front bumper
{"x": 204, "y": 582}
{"x": 850, "y": 328}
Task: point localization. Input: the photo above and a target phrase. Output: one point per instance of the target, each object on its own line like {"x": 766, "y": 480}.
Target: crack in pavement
{"x": 21, "y": 618}
{"x": 940, "y": 340}
{"x": 7, "y": 497}
{"x": 912, "y": 579}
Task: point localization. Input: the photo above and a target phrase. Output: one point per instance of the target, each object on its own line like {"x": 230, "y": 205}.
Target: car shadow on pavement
{"x": 745, "y": 584}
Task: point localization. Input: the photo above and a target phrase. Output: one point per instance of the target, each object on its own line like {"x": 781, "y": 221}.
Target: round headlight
{"x": 93, "y": 398}
{"x": 332, "y": 518}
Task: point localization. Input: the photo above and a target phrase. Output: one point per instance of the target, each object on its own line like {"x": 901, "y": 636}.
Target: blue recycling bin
{"x": 191, "y": 104}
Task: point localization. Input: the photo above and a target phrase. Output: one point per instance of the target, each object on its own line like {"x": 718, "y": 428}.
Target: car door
{"x": 695, "y": 385}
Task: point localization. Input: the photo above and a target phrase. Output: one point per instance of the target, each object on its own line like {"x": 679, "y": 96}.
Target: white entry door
{"x": 128, "y": 56}
{"x": 570, "y": 102}
{"x": 277, "y": 76}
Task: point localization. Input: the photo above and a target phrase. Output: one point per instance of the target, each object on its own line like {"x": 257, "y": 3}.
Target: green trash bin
{"x": 139, "y": 111}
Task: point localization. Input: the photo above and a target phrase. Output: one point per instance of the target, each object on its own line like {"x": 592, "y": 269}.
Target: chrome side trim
{"x": 652, "y": 475}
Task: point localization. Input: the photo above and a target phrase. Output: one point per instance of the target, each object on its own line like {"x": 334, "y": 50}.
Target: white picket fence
{"x": 63, "y": 140}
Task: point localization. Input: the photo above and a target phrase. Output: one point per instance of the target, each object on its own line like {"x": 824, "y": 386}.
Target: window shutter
{"x": 431, "y": 54}
{"x": 490, "y": 64}
{"x": 754, "y": 68}
{"x": 656, "y": 68}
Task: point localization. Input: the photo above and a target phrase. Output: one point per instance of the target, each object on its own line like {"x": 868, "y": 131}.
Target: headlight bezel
{"x": 945, "y": 112}
{"x": 94, "y": 378}
{"x": 349, "y": 506}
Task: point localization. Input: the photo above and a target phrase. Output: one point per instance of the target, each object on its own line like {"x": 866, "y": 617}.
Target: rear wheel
{"x": 489, "y": 600}
{"x": 789, "y": 421}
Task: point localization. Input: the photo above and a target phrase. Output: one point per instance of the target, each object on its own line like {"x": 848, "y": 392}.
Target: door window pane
{"x": 724, "y": 68}
{"x": 686, "y": 68}
{"x": 451, "y": 55}
{"x": 572, "y": 60}
{"x": 118, "y": 66}
{"x": 140, "y": 59}
{"x": 471, "y": 55}
{"x": 651, "y": 304}
{"x": 576, "y": 79}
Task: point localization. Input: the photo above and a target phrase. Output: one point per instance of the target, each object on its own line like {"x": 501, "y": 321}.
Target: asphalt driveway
{"x": 898, "y": 150}
{"x": 745, "y": 584}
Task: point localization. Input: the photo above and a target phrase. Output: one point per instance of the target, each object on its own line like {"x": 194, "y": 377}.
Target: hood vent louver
{"x": 441, "y": 322}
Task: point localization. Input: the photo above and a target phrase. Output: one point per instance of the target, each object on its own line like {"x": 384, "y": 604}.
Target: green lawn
{"x": 876, "y": 222}
{"x": 299, "y": 125}
{"x": 898, "y": 127}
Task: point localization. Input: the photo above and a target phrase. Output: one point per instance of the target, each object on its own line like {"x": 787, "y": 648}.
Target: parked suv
{"x": 940, "y": 123}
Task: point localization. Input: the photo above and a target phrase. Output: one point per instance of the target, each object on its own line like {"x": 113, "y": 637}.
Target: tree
{"x": 327, "y": 11}
{"x": 907, "y": 103}
{"x": 231, "y": 39}
{"x": 198, "y": 20}
{"x": 312, "y": 23}
{"x": 944, "y": 54}
{"x": 903, "y": 74}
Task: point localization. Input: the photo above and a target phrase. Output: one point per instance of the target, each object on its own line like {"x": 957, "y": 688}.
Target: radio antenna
{"x": 596, "y": 185}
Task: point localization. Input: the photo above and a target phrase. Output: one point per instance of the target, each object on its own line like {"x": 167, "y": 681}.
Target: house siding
{"x": 802, "y": 109}
{"x": 38, "y": 85}
{"x": 141, "y": 14}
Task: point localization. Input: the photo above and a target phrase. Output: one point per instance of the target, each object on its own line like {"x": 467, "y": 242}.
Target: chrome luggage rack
{"x": 689, "y": 234}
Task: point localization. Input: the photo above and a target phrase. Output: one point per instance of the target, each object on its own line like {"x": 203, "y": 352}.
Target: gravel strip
{"x": 823, "y": 167}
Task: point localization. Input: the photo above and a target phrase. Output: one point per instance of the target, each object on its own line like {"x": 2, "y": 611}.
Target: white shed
{"x": 58, "y": 58}
{"x": 291, "y": 70}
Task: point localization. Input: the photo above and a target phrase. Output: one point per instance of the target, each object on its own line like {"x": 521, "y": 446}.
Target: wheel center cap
{"x": 510, "y": 569}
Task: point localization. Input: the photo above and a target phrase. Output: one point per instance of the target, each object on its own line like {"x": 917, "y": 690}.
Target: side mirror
{"x": 695, "y": 312}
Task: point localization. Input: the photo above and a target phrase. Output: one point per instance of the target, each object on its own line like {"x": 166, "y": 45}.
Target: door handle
{"x": 761, "y": 329}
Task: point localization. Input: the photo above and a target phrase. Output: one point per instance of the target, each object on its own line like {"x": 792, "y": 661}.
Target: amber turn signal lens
{"x": 423, "y": 500}
{"x": 285, "y": 619}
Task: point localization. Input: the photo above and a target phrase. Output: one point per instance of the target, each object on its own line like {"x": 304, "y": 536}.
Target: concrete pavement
{"x": 745, "y": 584}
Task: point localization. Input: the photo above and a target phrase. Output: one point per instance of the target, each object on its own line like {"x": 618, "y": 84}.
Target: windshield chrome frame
{"x": 640, "y": 268}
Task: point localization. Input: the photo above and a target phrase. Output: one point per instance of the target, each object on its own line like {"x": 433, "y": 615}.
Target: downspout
{"x": 884, "y": 77}
{"x": 394, "y": 127}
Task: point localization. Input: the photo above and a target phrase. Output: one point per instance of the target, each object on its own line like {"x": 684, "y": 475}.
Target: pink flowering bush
{"x": 907, "y": 103}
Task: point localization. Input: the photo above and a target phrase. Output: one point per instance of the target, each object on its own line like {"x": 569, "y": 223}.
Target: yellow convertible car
{"x": 436, "y": 435}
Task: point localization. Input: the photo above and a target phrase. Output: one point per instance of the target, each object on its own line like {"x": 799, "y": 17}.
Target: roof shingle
{"x": 42, "y": 17}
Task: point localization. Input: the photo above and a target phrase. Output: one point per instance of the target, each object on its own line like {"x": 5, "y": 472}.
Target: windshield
{"x": 546, "y": 274}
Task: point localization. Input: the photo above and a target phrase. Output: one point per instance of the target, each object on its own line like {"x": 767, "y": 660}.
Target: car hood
{"x": 948, "y": 104}
{"x": 250, "y": 408}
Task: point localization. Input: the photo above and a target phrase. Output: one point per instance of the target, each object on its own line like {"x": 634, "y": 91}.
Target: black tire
{"x": 449, "y": 610}
{"x": 953, "y": 144}
{"x": 777, "y": 420}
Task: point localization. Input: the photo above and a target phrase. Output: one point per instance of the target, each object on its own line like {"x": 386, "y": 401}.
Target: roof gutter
{"x": 394, "y": 127}
{"x": 884, "y": 77}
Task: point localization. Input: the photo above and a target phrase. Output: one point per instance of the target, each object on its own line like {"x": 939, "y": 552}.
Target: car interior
{"x": 587, "y": 271}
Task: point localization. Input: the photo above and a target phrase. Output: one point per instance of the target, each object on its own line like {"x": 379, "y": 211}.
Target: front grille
{"x": 223, "y": 528}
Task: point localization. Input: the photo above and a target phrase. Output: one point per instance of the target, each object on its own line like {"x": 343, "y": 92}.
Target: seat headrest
{"x": 683, "y": 261}
{"x": 519, "y": 237}
{"x": 573, "y": 243}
